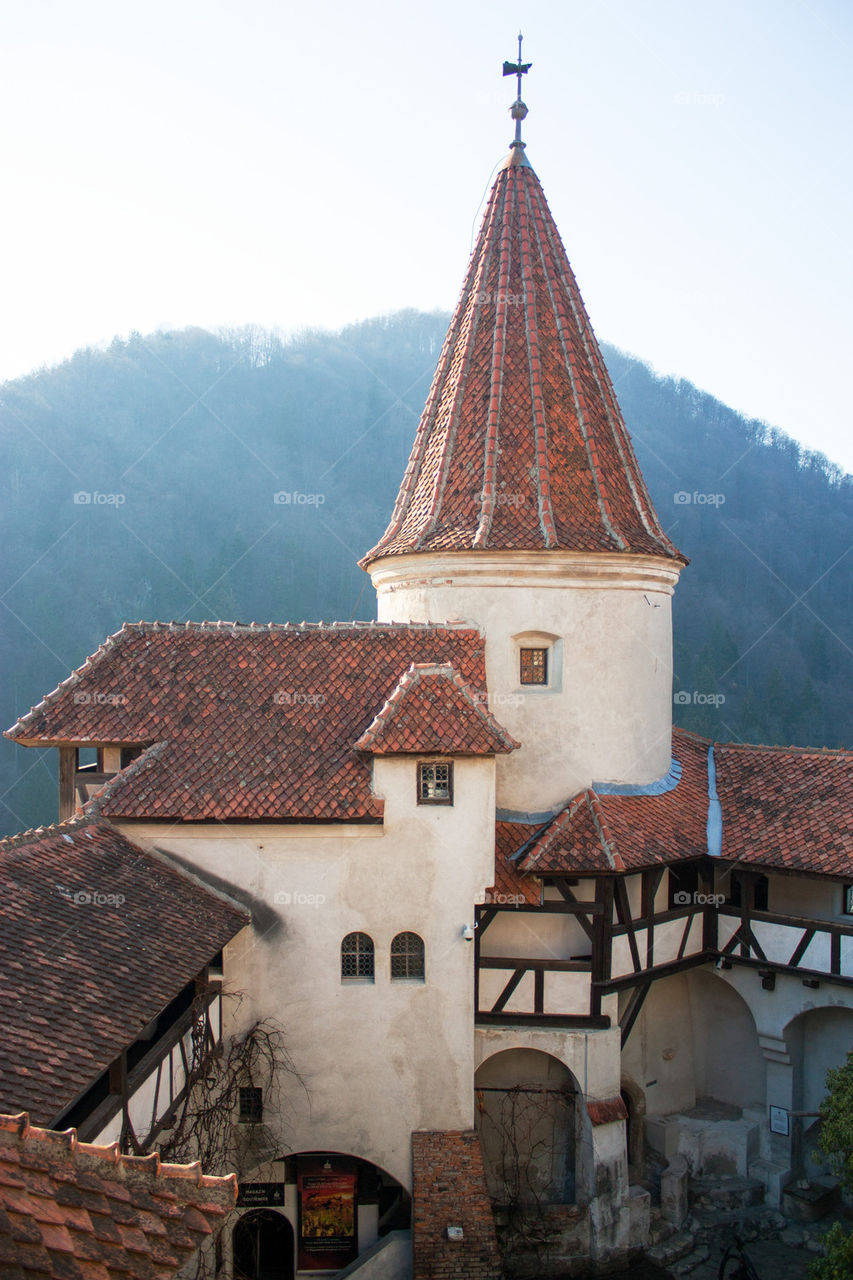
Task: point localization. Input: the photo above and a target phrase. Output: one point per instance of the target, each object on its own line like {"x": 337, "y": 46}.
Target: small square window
{"x": 435, "y": 784}
{"x": 534, "y": 666}
{"x": 847, "y": 900}
{"x": 251, "y": 1106}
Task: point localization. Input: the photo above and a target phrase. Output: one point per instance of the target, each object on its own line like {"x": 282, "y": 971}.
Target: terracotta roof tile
{"x": 522, "y": 444}
{"x": 96, "y": 938}
{"x": 785, "y": 808}
{"x": 130, "y": 1217}
{"x": 433, "y": 709}
{"x": 251, "y": 723}
{"x": 511, "y": 885}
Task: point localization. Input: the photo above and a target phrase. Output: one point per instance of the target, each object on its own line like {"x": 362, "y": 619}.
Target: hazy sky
{"x": 179, "y": 163}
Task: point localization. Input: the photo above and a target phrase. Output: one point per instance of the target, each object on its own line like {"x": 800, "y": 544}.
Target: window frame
{"x": 419, "y": 953}
{"x": 422, "y": 765}
{"x": 250, "y": 1111}
{"x": 533, "y": 649}
{"x": 359, "y": 955}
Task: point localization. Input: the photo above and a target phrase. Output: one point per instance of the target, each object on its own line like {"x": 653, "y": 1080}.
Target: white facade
{"x": 606, "y": 713}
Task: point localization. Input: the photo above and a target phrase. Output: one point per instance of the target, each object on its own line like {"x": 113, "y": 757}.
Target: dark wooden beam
{"x": 659, "y": 971}
{"x": 67, "y": 769}
{"x": 559, "y": 1021}
{"x": 623, "y": 911}
{"x": 484, "y": 917}
{"x": 601, "y": 942}
{"x": 525, "y": 962}
{"x": 632, "y": 1009}
{"x": 801, "y": 947}
{"x": 508, "y": 990}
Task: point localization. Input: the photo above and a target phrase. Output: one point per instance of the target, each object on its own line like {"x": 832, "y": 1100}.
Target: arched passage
{"x": 526, "y": 1109}
{"x": 262, "y": 1244}
{"x": 728, "y": 1063}
{"x": 817, "y": 1040}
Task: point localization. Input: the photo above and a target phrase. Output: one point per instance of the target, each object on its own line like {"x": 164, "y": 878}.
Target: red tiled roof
{"x": 598, "y": 832}
{"x": 511, "y": 886}
{"x": 784, "y": 807}
{"x": 432, "y": 709}
{"x": 252, "y": 722}
{"x": 70, "y": 1210}
{"x": 96, "y": 938}
{"x": 522, "y": 444}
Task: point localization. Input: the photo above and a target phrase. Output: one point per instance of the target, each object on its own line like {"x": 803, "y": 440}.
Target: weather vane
{"x": 518, "y": 110}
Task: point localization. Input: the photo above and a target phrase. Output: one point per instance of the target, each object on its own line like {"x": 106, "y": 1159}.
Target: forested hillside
{"x": 141, "y": 482}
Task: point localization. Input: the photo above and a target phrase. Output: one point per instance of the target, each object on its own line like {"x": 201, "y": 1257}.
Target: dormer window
{"x": 435, "y": 782}
{"x": 533, "y": 666}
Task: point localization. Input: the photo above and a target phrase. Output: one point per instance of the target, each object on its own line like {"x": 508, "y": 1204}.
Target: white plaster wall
{"x": 556, "y": 936}
{"x": 611, "y": 718}
{"x": 802, "y": 896}
{"x": 659, "y": 1051}
{"x": 378, "y": 1059}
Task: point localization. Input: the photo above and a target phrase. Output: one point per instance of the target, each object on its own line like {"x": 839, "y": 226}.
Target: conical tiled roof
{"x": 522, "y": 445}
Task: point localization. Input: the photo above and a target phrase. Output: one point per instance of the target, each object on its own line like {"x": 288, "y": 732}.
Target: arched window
{"x": 357, "y": 956}
{"x": 407, "y": 957}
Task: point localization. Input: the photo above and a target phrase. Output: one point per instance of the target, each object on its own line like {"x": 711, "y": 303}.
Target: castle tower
{"x": 523, "y": 510}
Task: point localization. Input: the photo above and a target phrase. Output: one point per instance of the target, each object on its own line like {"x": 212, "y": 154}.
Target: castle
{"x": 524, "y": 939}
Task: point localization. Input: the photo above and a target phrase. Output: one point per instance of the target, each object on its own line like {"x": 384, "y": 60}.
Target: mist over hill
{"x": 191, "y": 475}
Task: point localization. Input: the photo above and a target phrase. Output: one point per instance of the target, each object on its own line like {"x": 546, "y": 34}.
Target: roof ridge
{"x": 815, "y": 753}
{"x": 16, "y": 1130}
{"x": 94, "y": 805}
{"x": 605, "y": 835}
{"x": 75, "y": 823}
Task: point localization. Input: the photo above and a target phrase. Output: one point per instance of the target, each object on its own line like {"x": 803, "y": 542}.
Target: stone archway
{"x": 728, "y": 1064}
{"x": 527, "y": 1119}
{"x": 817, "y": 1040}
{"x": 262, "y": 1244}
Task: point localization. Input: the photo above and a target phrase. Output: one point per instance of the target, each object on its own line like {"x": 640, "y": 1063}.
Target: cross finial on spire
{"x": 518, "y": 110}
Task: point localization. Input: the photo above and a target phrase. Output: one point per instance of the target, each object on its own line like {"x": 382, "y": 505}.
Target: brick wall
{"x": 449, "y": 1190}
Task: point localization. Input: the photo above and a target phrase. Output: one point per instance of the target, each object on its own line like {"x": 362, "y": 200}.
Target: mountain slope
{"x": 141, "y": 481}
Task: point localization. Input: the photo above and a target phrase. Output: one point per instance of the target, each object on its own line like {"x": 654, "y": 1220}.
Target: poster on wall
{"x": 328, "y": 1214}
